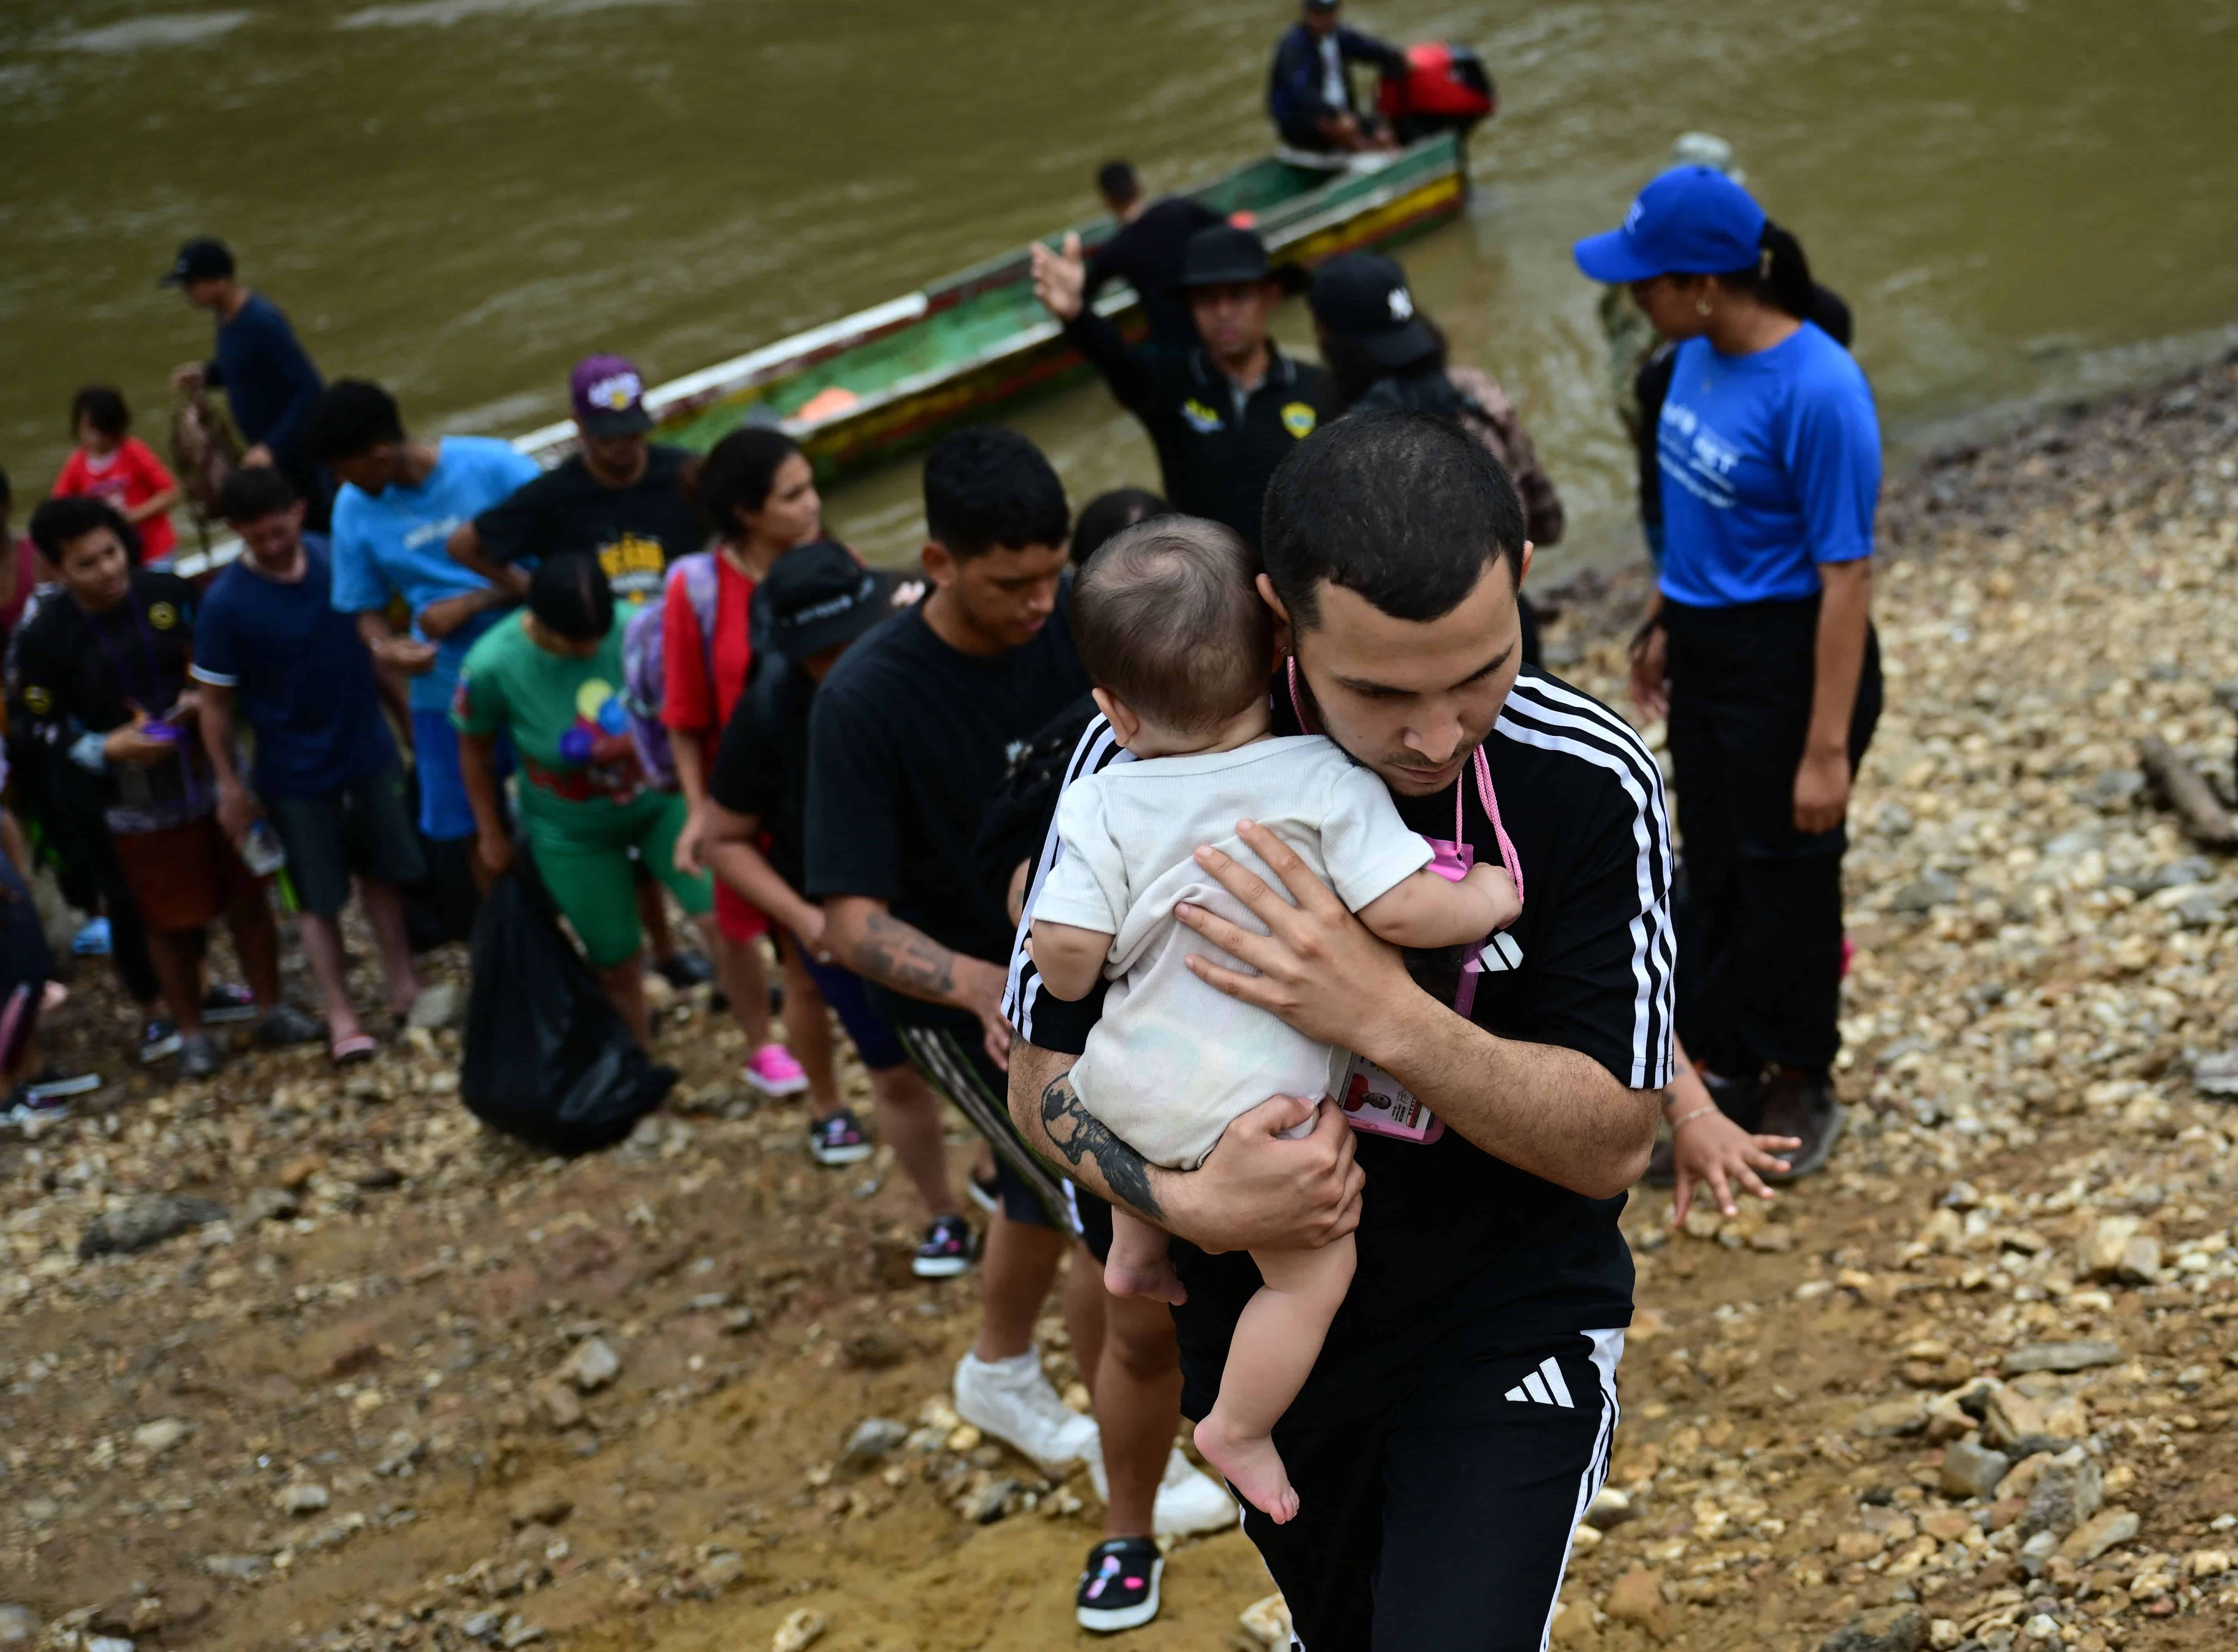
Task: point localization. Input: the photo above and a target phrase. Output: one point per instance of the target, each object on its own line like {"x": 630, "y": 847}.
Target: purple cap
{"x": 608, "y": 397}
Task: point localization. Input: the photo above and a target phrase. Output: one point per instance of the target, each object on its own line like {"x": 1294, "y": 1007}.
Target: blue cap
{"x": 1692, "y": 220}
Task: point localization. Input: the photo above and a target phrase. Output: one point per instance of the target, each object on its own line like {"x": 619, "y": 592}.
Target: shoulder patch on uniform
{"x": 162, "y": 616}
{"x": 1299, "y": 419}
{"x": 38, "y": 700}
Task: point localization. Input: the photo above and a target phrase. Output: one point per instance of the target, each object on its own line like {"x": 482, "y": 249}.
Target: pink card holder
{"x": 1374, "y": 1102}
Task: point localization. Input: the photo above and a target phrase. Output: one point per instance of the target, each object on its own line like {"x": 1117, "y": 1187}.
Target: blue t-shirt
{"x": 302, "y": 676}
{"x": 392, "y": 545}
{"x": 1772, "y": 465}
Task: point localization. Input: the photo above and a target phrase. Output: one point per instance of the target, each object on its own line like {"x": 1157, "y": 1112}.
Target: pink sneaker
{"x": 771, "y": 1070}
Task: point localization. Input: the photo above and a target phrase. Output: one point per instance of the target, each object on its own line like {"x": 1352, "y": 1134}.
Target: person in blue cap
{"x": 1758, "y": 645}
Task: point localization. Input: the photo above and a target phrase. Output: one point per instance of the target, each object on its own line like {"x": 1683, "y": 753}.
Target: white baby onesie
{"x": 1173, "y": 1061}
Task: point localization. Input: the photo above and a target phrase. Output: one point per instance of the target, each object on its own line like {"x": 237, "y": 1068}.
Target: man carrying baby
{"x": 1178, "y": 643}
{"x": 1459, "y": 1417}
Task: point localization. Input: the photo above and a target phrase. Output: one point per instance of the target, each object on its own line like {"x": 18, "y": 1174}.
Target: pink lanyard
{"x": 1486, "y": 796}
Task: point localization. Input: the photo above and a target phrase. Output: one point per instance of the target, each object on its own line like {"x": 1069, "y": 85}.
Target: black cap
{"x": 1220, "y": 253}
{"x": 1322, "y": 5}
{"x": 1364, "y": 296}
{"x": 819, "y": 596}
{"x": 204, "y": 259}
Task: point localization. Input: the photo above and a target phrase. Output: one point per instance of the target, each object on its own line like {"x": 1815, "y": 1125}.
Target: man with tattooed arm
{"x": 909, "y": 743}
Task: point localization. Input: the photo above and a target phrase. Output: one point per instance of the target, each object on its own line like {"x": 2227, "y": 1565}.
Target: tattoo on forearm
{"x": 1080, "y": 1135}
{"x": 890, "y": 952}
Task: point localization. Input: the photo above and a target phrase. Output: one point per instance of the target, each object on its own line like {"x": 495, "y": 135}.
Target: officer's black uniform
{"x": 1216, "y": 457}
{"x": 1216, "y": 460}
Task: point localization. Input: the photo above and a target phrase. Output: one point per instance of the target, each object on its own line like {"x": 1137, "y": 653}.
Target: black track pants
{"x": 1443, "y": 1524}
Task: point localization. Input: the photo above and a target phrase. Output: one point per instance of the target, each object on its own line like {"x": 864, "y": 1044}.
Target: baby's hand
{"x": 1493, "y": 886}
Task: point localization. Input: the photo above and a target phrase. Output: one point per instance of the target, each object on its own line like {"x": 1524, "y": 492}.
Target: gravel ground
{"x": 288, "y": 1362}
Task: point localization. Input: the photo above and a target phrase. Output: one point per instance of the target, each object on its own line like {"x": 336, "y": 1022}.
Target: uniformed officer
{"x": 1222, "y": 415}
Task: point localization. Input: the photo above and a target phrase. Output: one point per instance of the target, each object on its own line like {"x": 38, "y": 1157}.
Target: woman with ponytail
{"x": 1758, "y": 645}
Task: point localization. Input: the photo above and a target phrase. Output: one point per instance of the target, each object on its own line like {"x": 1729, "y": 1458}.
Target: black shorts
{"x": 1029, "y": 1190}
{"x": 1442, "y": 1525}
{"x": 365, "y": 829}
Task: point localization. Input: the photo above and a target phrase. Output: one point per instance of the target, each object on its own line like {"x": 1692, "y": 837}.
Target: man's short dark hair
{"x": 1116, "y": 182}
{"x": 1166, "y": 617}
{"x": 252, "y": 493}
{"x": 351, "y": 417}
{"x": 56, "y": 522}
{"x": 986, "y": 486}
{"x": 102, "y": 406}
{"x": 1403, "y": 508}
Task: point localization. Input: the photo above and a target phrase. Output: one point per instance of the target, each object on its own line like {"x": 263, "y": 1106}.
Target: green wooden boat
{"x": 861, "y": 389}
{"x": 872, "y": 384}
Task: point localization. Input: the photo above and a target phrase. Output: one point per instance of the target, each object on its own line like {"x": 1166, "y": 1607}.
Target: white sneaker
{"x": 1190, "y": 1500}
{"x": 1013, "y": 1402}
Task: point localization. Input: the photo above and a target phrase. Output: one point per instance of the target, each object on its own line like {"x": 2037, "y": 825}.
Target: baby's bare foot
{"x": 1251, "y": 1465}
{"x": 1156, "y": 1280}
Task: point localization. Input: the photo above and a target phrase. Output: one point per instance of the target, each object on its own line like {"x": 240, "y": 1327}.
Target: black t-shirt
{"x": 1459, "y": 1252}
{"x": 635, "y": 532}
{"x": 1146, "y": 255}
{"x": 909, "y": 742}
{"x": 761, "y": 764}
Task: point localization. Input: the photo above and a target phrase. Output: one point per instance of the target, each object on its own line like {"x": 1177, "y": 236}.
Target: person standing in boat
{"x": 1146, "y": 252}
{"x": 1222, "y": 415}
{"x": 1758, "y": 643}
{"x": 1309, "y": 93}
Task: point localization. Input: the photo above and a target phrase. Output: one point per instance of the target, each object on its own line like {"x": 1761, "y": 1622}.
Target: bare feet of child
{"x": 1153, "y": 1277}
{"x": 1251, "y": 1465}
{"x": 1141, "y": 1261}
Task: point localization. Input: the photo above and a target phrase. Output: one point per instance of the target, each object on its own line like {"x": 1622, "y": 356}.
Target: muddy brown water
{"x": 2019, "y": 197}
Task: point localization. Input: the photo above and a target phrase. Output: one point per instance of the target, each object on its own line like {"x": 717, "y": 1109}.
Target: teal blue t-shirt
{"x": 391, "y": 544}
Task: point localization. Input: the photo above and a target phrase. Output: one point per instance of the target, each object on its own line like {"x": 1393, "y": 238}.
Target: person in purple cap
{"x": 620, "y": 496}
{"x": 624, "y": 499}
{"x": 1758, "y": 645}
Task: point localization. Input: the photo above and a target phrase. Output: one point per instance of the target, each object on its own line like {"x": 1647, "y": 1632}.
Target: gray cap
{"x": 1705, "y": 150}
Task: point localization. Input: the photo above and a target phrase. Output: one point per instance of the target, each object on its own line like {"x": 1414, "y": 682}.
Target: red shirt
{"x": 690, "y": 702}
{"x": 132, "y": 477}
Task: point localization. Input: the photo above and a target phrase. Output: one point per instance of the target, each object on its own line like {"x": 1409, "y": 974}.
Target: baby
{"x": 1179, "y": 646}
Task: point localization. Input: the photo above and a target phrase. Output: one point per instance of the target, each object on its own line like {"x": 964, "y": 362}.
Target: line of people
{"x": 653, "y": 670}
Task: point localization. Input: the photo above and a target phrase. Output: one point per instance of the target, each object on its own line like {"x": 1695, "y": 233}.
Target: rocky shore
{"x": 290, "y": 1362}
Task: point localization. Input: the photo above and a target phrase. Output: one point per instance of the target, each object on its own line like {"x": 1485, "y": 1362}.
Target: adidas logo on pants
{"x": 1544, "y": 1386}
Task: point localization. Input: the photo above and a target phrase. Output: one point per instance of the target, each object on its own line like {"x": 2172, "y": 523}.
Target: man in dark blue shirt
{"x": 1309, "y": 94}
{"x": 270, "y": 380}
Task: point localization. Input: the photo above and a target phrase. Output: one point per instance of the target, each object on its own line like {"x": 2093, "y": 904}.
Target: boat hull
{"x": 969, "y": 347}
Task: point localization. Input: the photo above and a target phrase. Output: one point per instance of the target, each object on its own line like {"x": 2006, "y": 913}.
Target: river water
{"x": 2018, "y": 197}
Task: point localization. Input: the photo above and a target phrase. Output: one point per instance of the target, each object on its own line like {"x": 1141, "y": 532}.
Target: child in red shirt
{"x": 114, "y": 464}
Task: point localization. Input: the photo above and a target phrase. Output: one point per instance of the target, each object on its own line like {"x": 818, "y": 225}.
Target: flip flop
{"x": 359, "y": 1047}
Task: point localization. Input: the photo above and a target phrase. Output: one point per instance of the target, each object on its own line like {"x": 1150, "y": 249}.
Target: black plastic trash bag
{"x": 547, "y": 1058}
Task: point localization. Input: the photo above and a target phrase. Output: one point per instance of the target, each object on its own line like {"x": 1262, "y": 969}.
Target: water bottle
{"x": 261, "y": 849}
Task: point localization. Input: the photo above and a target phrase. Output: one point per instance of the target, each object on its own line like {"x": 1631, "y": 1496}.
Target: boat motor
{"x": 1445, "y": 88}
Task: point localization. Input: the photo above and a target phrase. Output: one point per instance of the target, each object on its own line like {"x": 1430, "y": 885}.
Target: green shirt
{"x": 566, "y": 716}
